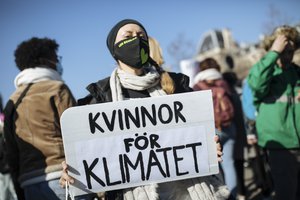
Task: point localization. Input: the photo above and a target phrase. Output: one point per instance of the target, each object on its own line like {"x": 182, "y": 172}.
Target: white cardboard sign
{"x": 140, "y": 141}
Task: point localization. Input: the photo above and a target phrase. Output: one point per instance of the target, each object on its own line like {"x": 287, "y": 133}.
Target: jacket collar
{"x": 100, "y": 90}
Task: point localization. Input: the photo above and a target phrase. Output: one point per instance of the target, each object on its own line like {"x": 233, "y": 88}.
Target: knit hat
{"x": 110, "y": 41}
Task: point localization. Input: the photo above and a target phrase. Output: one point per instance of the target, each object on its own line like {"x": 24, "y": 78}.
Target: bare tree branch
{"x": 181, "y": 48}
{"x": 275, "y": 18}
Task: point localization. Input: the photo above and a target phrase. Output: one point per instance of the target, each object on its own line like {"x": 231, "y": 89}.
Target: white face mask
{"x": 59, "y": 67}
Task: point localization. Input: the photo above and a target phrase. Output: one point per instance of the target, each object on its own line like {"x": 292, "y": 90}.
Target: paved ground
{"x": 254, "y": 192}
{"x": 254, "y": 180}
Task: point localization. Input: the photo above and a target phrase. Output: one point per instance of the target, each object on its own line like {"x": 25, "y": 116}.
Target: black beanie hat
{"x": 110, "y": 41}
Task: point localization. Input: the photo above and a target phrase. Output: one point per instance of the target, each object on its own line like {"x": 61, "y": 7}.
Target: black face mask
{"x": 133, "y": 51}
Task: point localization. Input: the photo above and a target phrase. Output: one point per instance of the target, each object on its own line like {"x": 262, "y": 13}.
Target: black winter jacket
{"x": 100, "y": 91}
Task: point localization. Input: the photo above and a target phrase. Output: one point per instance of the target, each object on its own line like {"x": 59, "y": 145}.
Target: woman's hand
{"x": 65, "y": 176}
{"x": 279, "y": 43}
{"x": 219, "y": 148}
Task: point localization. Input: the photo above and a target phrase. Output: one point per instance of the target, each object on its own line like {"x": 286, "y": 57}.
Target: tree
{"x": 275, "y": 18}
{"x": 181, "y": 48}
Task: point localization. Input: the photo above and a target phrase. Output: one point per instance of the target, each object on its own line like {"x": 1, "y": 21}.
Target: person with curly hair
{"x": 32, "y": 131}
{"x": 275, "y": 84}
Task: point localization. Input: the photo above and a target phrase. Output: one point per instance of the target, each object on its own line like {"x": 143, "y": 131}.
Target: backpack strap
{"x": 18, "y": 102}
{"x": 23, "y": 94}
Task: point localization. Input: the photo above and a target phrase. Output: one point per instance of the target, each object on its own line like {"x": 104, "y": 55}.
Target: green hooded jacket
{"x": 275, "y": 93}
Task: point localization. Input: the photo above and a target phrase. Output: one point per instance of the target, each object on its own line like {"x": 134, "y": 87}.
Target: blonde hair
{"x": 155, "y": 51}
{"x": 166, "y": 82}
{"x": 290, "y": 32}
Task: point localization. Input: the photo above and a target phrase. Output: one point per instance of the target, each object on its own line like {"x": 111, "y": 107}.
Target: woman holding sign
{"x": 137, "y": 75}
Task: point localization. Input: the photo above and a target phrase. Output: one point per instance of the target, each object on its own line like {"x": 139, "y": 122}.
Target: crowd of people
{"x": 266, "y": 115}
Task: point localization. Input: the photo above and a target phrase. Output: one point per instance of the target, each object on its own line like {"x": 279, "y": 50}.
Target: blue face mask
{"x": 59, "y": 67}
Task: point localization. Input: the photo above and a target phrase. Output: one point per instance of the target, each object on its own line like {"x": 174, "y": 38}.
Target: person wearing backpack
{"x": 210, "y": 78}
{"x": 31, "y": 127}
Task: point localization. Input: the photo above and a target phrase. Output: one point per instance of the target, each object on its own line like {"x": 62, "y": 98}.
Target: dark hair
{"x": 209, "y": 63}
{"x": 33, "y": 52}
{"x": 231, "y": 78}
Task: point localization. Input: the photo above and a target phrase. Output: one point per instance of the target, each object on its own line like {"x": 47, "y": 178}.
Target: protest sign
{"x": 136, "y": 142}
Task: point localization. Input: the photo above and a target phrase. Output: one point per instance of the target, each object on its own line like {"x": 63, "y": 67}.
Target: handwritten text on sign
{"x": 124, "y": 144}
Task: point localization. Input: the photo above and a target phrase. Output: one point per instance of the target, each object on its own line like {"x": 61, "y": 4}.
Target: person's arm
{"x": 64, "y": 99}
{"x": 261, "y": 73}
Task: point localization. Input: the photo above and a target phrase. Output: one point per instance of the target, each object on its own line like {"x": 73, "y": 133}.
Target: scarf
{"x": 149, "y": 81}
{"x": 37, "y": 74}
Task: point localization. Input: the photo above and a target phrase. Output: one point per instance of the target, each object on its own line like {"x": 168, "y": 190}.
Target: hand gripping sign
{"x": 136, "y": 142}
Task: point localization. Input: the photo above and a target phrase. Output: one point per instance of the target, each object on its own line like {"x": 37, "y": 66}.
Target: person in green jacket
{"x": 275, "y": 83}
